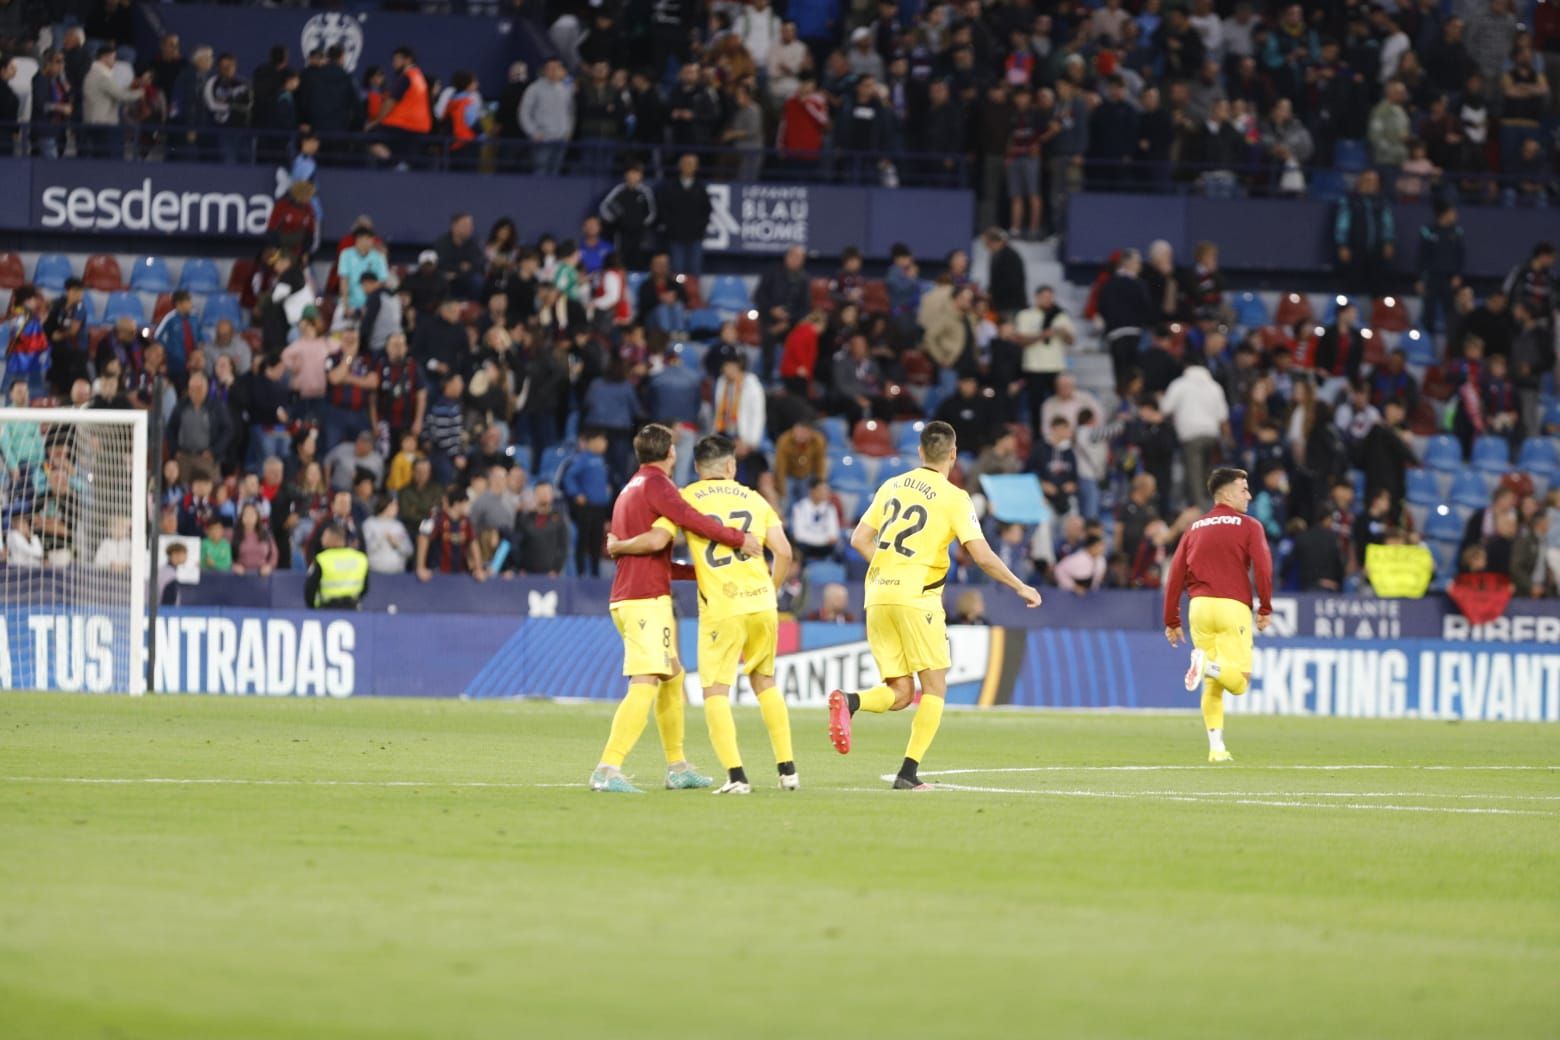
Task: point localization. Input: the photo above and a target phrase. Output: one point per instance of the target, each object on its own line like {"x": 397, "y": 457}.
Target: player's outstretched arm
{"x": 988, "y": 561}
{"x": 647, "y": 544}
{"x": 780, "y": 546}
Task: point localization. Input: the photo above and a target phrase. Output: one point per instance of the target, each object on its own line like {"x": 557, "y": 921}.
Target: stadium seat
{"x": 1443, "y": 453}
{"x": 635, "y": 280}
{"x": 749, "y": 332}
{"x": 552, "y": 460}
{"x": 1419, "y": 348}
{"x": 692, "y": 288}
{"x": 848, "y": 475}
{"x": 123, "y": 305}
{"x": 1328, "y": 185}
{"x": 1491, "y": 455}
{"x": 1250, "y": 311}
{"x": 52, "y": 271}
{"x": 102, "y": 273}
{"x": 161, "y": 307}
{"x": 1292, "y": 307}
{"x": 894, "y": 465}
{"x": 1334, "y": 302}
{"x": 239, "y": 277}
{"x": 12, "y": 274}
{"x": 151, "y": 274}
{"x": 221, "y": 305}
{"x": 836, "y": 432}
{"x": 706, "y": 321}
{"x": 1469, "y": 490}
{"x": 1375, "y": 352}
{"x": 729, "y": 293}
{"x": 872, "y": 437}
{"x": 571, "y": 426}
{"x": 1444, "y": 553}
{"x": 1390, "y": 314}
{"x": 1443, "y": 525}
{"x": 907, "y": 437}
{"x": 1538, "y": 457}
{"x": 1349, "y": 155}
{"x": 824, "y": 572}
{"x": 692, "y": 354}
{"x": 818, "y": 293}
{"x": 200, "y": 275}
{"x": 1422, "y": 488}
{"x": 874, "y": 297}
{"x": 1551, "y": 418}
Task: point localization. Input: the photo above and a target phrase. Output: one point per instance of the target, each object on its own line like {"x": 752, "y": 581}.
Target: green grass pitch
{"x": 218, "y": 868}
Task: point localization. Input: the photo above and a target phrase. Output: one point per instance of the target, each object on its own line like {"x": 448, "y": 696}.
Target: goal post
{"x": 74, "y": 584}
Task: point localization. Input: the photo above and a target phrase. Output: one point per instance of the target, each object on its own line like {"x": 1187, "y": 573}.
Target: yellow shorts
{"x": 649, "y": 631}
{"x": 751, "y": 637}
{"x": 1222, "y": 629}
{"x": 907, "y": 639}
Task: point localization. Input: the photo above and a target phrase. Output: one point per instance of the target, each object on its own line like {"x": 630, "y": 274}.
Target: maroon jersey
{"x": 345, "y": 395}
{"x": 1218, "y": 557}
{"x": 398, "y": 386}
{"x": 448, "y": 539}
{"x": 648, "y": 496}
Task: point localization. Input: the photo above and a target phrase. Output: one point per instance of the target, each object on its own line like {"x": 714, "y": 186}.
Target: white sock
{"x": 1215, "y": 740}
{"x": 1210, "y": 668}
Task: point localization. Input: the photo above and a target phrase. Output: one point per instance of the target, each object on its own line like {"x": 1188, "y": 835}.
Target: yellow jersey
{"x": 916, "y": 515}
{"x": 729, "y": 585}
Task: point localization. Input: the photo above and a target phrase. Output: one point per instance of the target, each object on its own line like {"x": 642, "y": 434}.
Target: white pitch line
{"x": 244, "y": 782}
{"x": 1195, "y": 798}
{"x": 1236, "y": 767}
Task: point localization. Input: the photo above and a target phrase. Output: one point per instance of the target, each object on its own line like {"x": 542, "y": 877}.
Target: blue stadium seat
{"x": 1491, "y": 455}
{"x": 635, "y": 280}
{"x": 1357, "y": 479}
{"x": 1445, "y": 555}
{"x": 124, "y": 305}
{"x": 1443, "y": 525}
{"x": 51, "y": 272}
{"x": 552, "y": 459}
{"x": 1469, "y": 489}
{"x": 848, "y": 474}
{"x": 221, "y": 305}
{"x": 1419, "y": 347}
{"x": 907, "y": 437}
{"x": 728, "y": 292}
{"x": 836, "y": 431}
{"x": 893, "y": 465}
{"x": 1349, "y": 155}
{"x": 1552, "y": 414}
{"x": 1250, "y": 311}
{"x": 151, "y": 274}
{"x": 1423, "y": 489}
{"x": 693, "y": 354}
{"x": 1538, "y": 457}
{"x": 824, "y": 572}
{"x": 1328, "y": 184}
{"x": 571, "y": 426}
{"x": 705, "y": 321}
{"x": 1443, "y": 453}
{"x": 200, "y": 275}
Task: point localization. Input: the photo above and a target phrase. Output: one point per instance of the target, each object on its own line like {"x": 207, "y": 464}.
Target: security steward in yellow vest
{"x": 338, "y": 577}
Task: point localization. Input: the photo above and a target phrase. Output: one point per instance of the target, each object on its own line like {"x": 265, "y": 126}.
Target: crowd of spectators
{"x": 474, "y": 414}
{"x": 1024, "y": 101}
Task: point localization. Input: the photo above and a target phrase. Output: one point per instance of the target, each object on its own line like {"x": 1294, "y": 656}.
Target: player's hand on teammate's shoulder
{"x": 1030, "y": 595}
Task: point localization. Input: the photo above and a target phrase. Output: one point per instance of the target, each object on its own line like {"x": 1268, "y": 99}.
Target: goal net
{"x": 73, "y": 586}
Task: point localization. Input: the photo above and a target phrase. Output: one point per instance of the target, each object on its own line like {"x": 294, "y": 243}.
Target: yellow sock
{"x": 669, "y": 717}
{"x": 928, "y": 716}
{"x": 777, "y": 720}
{"x": 723, "y": 731}
{"x": 1213, "y": 704}
{"x": 628, "y": 722}
{"x": 877, "y": 700}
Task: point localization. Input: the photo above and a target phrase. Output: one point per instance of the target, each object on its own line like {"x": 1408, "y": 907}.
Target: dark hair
{"x": 653, "y": 443}
{"x": 1059, "y": 420}
{"x": 107, "y": 48}
{"x": 937, "y": 440}
{"x": 462, "y": 79}
{"x": 712, "y": 449}
{"x": 180, "y": 296}
{"x": 1223, "y": 476}
{"x": 404, "y": 51}
{"x": 1085, "y": 416}
{"x": 74, "y": 283}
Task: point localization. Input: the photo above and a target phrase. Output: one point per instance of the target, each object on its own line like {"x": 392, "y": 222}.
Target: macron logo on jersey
{"x": 1218, "y": 521}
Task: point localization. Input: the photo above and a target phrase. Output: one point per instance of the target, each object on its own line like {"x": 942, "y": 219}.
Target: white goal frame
{"x": 141, "y": 551}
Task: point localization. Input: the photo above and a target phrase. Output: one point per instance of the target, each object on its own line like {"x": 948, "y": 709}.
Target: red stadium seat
{"x": 690, "y": 285}
{"x": 822, "y": 299}
{"x": 748, "y": 330}
{"x": 102, "y": 273}
{"x": 13, "y": 275}
{"x": 1422, "y": 422}
{"x": 1292, "y": 307}
{"x": 873, "y": 437}
{"x": 919, "y": 370}
{"x": 1272, "y": 337}
{"x": 1436, "y": 386}
{"x": 1023, "y": 439}
{"x": 874, "y": 297}
{"x": 1375, "y": 352}
{"x": 161, "y": 308}
{"x": 240, "y": 283}
{"x": 1389, "y": 314}
{"x": 470, "y": 311}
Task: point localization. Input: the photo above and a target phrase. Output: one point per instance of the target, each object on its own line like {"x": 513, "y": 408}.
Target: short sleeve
{"x": 770, "y": 519}
{"x": 965, "y": 524}
{"x": 873, "y": 517}
{"x": 663, "y": 524}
